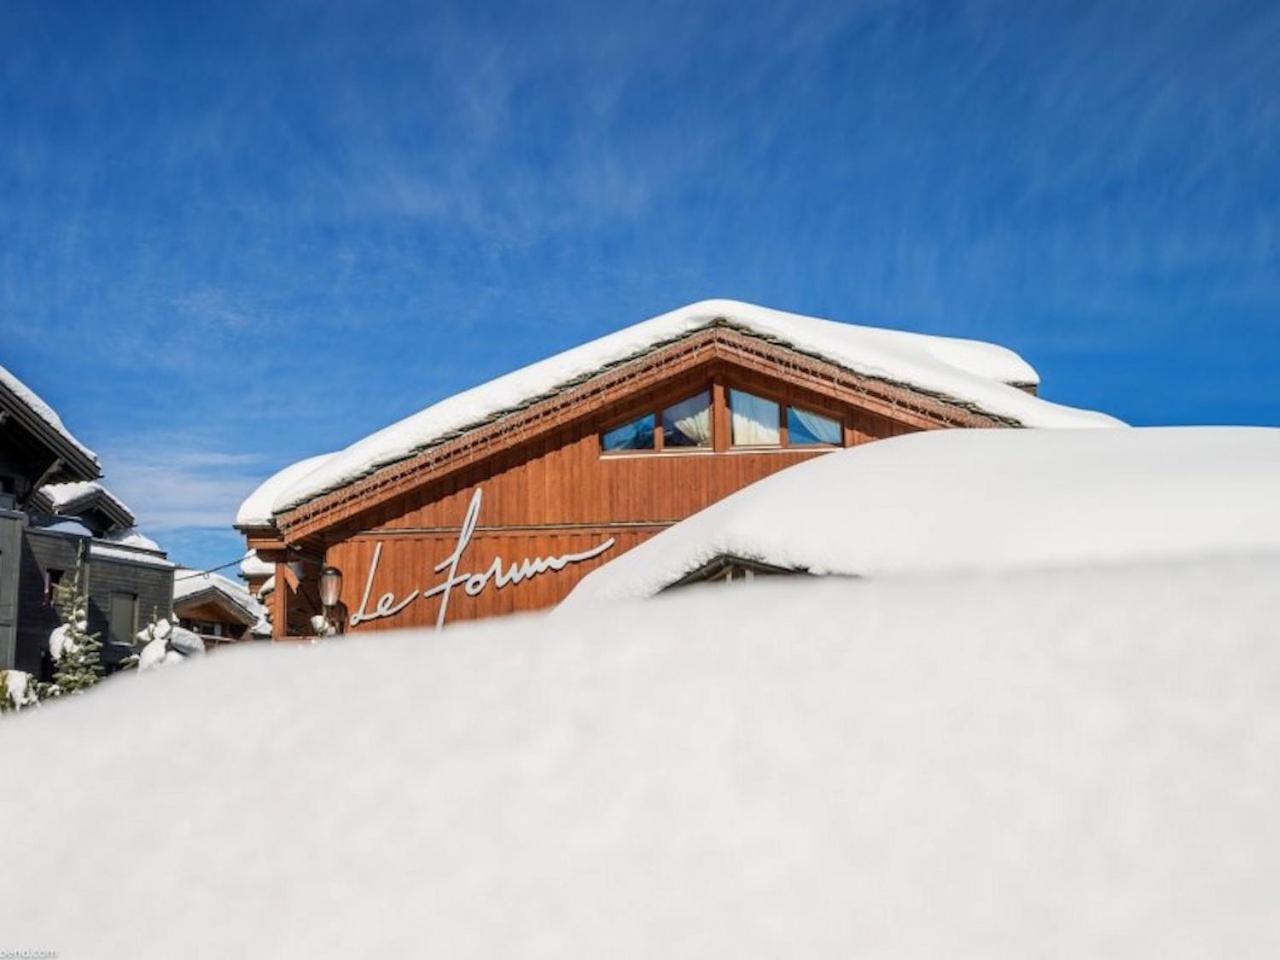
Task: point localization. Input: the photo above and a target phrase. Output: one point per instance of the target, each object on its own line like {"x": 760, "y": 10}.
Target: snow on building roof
{"x": 252, "y": 566}
{"x": 129, "y": 554}
{"x": 66, "y": 498}
{"x": 982, "y": 500}
{"x": 967, "y": 371}
{"x": 43, "y": 411}
{"x": 132, "y": 537}
{"x": 955, "y": 766}
{"x": 256, "y": 511}
{"x": 189, "y": 584}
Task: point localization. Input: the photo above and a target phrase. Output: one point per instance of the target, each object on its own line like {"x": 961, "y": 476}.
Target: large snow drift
{"x": 1080, "y": 764}
{"x": 980, "y": 500}
{"x": 967, "y": 371}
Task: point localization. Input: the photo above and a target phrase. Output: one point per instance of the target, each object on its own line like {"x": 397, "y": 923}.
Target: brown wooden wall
{"x": 561, "y": 494}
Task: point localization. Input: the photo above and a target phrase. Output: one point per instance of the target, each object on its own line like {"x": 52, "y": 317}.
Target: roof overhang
{"x": 96, "y": 498}
{"x": 218, "y": 598}
{"x": 76, "y": 463}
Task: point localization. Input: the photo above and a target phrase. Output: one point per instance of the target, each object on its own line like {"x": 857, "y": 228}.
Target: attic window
{"x": 807, "y": 429}
{"x": 687, "y": 423}
{"x": 636, "y": 435}
{"x": 755, "y": 420}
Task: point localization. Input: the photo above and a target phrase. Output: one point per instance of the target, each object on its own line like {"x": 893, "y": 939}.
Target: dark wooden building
{"x": 500, "y": 499}
{"x": 53, "y": 509}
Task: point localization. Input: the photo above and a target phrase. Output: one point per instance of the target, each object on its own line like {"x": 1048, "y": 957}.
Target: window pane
{"x": 688, "y": 423}
{"x": 124, "y": 617}
{"x": 755, "y": 420}
{"x": 636, "y": 435}
{"x": 805, "y": 428}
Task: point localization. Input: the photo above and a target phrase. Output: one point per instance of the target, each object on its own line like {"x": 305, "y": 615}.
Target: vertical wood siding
{"x": 560, "y": 494}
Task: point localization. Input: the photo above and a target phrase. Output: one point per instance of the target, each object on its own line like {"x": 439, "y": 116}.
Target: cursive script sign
{"x": 473, "y": 584}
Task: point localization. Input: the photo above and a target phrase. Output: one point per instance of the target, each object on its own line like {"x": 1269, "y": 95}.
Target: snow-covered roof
{"x": 32, "y": 401}
{"x": 132, "y": 537}
{"x": 967, "y": 371}
{"x": 67, "y": 498}
{"x": 979, "y": 500}
{"x": 252, "y": 566}
{"x": 130, "y": 553}
{"x": 190, "y": 584}
{"x": 1077, "y": 762}
{"x": 257, "y": 509}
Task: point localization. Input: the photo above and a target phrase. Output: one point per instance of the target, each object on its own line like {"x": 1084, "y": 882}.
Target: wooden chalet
{"x": 218, "y": 610}
{"x": 500, "y": 499}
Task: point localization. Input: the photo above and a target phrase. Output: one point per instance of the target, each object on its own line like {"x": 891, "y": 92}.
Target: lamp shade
{"x": 330, "y": 586}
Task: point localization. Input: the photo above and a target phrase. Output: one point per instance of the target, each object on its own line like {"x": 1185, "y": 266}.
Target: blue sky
{"x": 235, "y": 235}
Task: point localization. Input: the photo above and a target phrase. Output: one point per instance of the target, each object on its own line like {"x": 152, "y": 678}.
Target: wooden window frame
{"x": 654, "y": 407}
{"x": 718, "y": 387}
{"x": 785, "y": 398}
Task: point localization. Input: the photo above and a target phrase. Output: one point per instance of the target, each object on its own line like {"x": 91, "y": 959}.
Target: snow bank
{"x": 980, "y": 499}
{"x": 967, "y": 371}
{"x": 962, "y": 766}
{"x": 42, "y": 410}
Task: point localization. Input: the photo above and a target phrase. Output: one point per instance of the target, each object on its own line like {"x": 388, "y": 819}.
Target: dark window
{"x": 51, "y": 580}
{"x": 124, "y": 617}
{"x": 636, "y": 435}
{"x": 809, "y": 429}
{"x": 687, "y": 423}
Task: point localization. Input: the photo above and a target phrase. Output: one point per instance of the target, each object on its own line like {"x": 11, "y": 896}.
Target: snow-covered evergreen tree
{"x": 76, "y": 652}
{"x": 18, "y": 689}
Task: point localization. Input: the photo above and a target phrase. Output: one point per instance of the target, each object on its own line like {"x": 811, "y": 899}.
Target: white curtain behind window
{"x": 822, "y": 429}
{"x": 691, "y": 419}
{"x": 755, "y": 420}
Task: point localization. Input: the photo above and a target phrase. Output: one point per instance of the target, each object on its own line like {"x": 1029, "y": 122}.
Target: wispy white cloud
{"x": 171, "y": 485}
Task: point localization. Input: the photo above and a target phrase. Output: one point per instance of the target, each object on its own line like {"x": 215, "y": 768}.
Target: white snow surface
{"x": 980, "y": 500}
{"x": 60, "y": 642}
{"x": 968, "y": 371}
{"x": 185, "y": 642}
{"x": 19, "y": 688}
{"x": 256, "y": 511}
{"x": 132, "y": 537}
{"x": 66, "y": 495}
{"x": 42, "y": 410}
{"x": 1080, "y": 762}
{"x": 153, "y": 654}
{"x": 253, "y": 566}
{"x": 130, "y": 553}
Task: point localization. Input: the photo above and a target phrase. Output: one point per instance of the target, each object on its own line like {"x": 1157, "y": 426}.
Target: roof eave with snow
{"x": 26, "y": 407}
{"x": 971, "y": 375}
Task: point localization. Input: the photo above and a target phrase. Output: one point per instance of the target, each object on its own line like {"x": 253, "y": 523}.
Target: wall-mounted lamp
{"x": 330, "y": 587}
